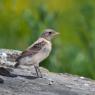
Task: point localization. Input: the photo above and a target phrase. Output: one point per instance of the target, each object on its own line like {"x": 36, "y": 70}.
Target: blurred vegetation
{"x": 22, "y": 21}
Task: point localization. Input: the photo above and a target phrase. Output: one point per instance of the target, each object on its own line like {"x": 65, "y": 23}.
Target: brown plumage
{"x": 38, "y": 51}
{"x": 31, "y": 51}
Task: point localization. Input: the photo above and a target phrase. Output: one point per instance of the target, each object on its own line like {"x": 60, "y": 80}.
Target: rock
{"x": 6, "y": 72}
{"x": 26, "y": 82}
{"x": 1, "y": 80}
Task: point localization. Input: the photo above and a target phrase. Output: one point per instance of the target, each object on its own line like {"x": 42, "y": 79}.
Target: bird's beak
{"x": 56, "y": 33}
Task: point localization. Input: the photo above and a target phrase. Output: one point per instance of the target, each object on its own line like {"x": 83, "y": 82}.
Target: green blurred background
{"x": 22, "y": 21}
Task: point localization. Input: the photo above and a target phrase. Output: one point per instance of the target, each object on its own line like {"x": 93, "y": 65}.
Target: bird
{"x": 37, "y": 52}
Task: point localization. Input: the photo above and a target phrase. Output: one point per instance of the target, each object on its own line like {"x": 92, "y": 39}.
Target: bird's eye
{"x": 50, "y": 32}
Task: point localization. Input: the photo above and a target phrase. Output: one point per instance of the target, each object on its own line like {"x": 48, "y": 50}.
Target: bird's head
{"x": 49, "y": 34}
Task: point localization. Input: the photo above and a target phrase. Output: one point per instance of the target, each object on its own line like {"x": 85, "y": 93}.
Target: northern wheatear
{"x": 38, "y": 51}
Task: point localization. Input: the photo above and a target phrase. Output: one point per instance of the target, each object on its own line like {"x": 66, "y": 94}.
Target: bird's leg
{"x": 38, "y": 72}
{"x": 39, "y": 75}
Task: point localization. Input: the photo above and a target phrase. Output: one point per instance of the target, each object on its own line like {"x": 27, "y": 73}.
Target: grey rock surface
{"x": 26, "y": 83}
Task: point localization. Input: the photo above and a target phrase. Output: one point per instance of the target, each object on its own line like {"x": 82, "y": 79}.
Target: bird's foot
{"x": 40, "y": 76}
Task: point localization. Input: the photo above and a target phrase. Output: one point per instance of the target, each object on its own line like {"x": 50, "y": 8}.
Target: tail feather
{"x": 17, "y": 62}
{"x": 16, "y": 65}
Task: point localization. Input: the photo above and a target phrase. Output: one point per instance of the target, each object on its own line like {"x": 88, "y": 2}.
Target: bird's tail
{"x": 16, "y": 65}
{"x": 17, "y": 62}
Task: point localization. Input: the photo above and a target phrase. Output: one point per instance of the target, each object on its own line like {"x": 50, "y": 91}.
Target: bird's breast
{"x": 44, "y": 52}
{"x": 47, "y": 48}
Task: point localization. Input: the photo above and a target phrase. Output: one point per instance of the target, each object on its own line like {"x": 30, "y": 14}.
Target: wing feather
{"x": 32, "y": 50}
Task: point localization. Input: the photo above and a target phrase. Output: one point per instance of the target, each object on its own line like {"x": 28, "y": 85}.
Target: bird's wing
{"x": 32, "y": 50}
